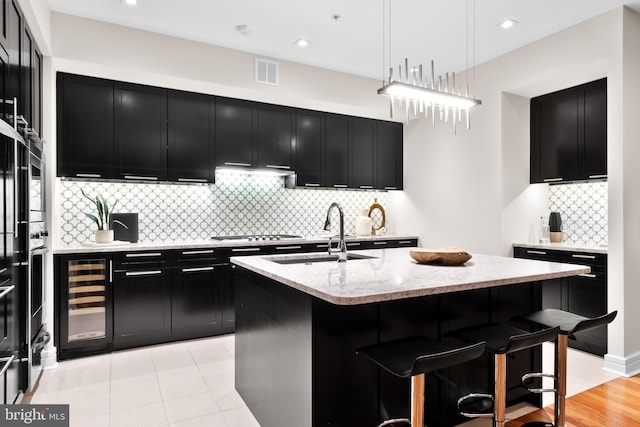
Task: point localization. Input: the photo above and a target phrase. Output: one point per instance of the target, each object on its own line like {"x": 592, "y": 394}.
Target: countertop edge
{"x": 567, "y": 247}
{"x": 214, "y": 244}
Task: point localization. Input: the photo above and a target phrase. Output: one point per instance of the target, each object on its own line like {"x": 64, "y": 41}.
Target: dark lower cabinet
{"x": 196, "y": 295}
{"x": 228, "y": 307}
{"x": 141, "y": 307}
{"x": 585, "y": 294}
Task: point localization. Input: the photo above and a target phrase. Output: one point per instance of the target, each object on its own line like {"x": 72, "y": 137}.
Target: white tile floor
{"x": 191, "y": 384}
{"x": 183, "y": 384}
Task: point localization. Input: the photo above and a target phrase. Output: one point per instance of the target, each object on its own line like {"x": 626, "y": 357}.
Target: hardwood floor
{"x": 612, "y": 404}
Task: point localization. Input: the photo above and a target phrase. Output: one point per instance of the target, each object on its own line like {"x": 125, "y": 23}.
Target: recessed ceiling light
{"x": 507, "y": 23}
{"x": 130, "y": 2}
{"x": 302, "y": 42}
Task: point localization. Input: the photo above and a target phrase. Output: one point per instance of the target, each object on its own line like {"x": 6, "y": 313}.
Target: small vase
{"x": 104, "y": 236}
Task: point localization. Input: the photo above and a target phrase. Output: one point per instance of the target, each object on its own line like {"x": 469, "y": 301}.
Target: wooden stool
{"x": 414, "y": 357}
{"x": 500, "y": 340}
{"x": 568, "y": 324}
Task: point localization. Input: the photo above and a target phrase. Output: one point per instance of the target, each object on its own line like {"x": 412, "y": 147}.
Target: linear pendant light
{"x": 416, "y": 95}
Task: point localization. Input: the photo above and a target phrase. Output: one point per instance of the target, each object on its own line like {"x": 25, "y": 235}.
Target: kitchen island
{"x": 300, "y": 318}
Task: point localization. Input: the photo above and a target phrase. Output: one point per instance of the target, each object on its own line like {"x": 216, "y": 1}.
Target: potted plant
{"x": 103, "y": 218}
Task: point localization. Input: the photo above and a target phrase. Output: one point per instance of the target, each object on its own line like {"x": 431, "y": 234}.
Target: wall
{"x": 237, "y": 204}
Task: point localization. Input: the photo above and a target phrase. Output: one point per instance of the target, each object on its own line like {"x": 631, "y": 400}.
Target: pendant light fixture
{"x": 415, "y": 94}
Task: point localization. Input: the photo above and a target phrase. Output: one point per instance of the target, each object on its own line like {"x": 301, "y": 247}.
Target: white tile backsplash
{"x": 583, "y": 207}
{"x": 235, "y": 204}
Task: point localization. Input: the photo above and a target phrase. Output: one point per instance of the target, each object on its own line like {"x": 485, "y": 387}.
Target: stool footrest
{"x": 528, "y": 378}
{"x": 395, "y": 421}
{"x": 476, "y": 405}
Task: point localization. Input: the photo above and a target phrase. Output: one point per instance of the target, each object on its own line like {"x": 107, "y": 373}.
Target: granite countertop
{"x": 392, "y": 274}
{"x": 566, "y": 246}
{"x": 192, "y": 244}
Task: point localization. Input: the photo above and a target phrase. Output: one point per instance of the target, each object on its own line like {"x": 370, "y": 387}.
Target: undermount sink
{"x": 311, "y": 259}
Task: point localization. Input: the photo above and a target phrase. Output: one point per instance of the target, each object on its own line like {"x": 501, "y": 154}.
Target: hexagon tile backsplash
{"x": 235, "y": 204}
{"x": 584, "y": 211}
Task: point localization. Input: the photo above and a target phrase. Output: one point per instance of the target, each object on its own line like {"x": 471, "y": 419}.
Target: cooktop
{"x": 257, "y": 237}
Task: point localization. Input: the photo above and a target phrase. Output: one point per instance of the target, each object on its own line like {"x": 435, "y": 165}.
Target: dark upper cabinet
{"x": 569, "y": 134}
{"x": 362, "y": 150}
{"x": 593, "y": 150}
{"x": 235, "y": 132}
{"x": 13, "y": 47}
{"x": 191, "y": 136}
{"x": 140, "y": 132}
{"x": 336, "y": 151}
{"x": 309, "y": 148}
{"x": 85, "y": 127}
{"x": 27, "y": 75}
{"x": 388, "y": 156}
{"x": 275, "y": 137}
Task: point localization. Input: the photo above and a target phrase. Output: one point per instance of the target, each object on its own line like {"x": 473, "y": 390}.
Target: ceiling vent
{"x": 266, "y": 72}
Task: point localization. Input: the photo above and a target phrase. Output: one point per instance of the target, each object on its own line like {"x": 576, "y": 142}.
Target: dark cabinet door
{"x": 13, "y": 41}
{"x": 36, "y": 100}
{"x": 26, "y": 80}
{"x": 587, "y": 296}
{"x": 336, "y": 151}
{"x": 362, "y": 152}
{"x": 191, "y": 137}
{"x": 195, "y": 302}
{"x": 554, "y": 136}
{"x": 275, "y": 137}
{"x": 85, "y": 127}
{"x": 141, "y": 307}
{"x": 593, "y": 110}
{"x": 235, "y": 132}
{"x": 309, "y": 148}
{"x": 389, "y": 156}
{"x": 140, "y": 132}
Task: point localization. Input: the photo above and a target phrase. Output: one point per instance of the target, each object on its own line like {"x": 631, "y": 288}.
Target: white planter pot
{"x": 104, "y": 236}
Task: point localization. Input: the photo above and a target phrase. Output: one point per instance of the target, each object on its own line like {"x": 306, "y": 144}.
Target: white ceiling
{"x": 421, "y": 30}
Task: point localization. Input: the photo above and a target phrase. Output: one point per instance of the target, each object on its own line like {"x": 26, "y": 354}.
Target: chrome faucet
{"x": 341, "y": 249}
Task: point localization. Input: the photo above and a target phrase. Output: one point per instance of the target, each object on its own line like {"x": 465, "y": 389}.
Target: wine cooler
{"x": 86, "y": 319}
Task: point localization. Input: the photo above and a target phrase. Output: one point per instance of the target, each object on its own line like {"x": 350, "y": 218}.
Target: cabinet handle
{"x": 143, "y": 273}
{"x": 192, "y": 270}
{"x": 245, "y": 250}
{"x": 192, "y": 180}
{"x": 89, "y": 175}
{"x": 380, "y": 243}
{"x": 206, "y": 251}
{"x": 597, "y": 176}
{"x": 311, "y": 184}
{"x": 552, "y": 179}
{"x": 322, "y": 246}
{"x": 583, "y": 256}
{"x": 284, "y": 248}
{"x": 353, "y": 244}
{"x": 404, "y": 242}
{"x": 7, "y": 363}
{"x": 110, "y": 271}
{"x": 141, "y": 178}
{"x": 340, "y": 185}
{"x": 3, "y": 270}
{"x": 589, "y": 275}
{"x": 237, "y": 164}
{"x": 278, "y": 166}
{"x": 6, "y": 289}
{"x": 536, "y": 252}
{"x": 148, "y": 254}
{"x": 366, "y": 187}
{"x": 390, "y": 188}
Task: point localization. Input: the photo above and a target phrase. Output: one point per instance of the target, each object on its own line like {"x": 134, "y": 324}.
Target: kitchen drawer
{"x": 186, "y": 258}
{"x": 134, "y": 260}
